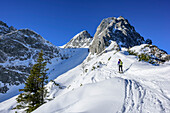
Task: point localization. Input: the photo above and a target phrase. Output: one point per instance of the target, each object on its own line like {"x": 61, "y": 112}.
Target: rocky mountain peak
{"x": 3, "y": 24}
{"x": 81, "y": 40}
{"x": 4, "y": 28}
{"x": 115, "y": 29}
{"x": 103, "y": 25}
{"x": 121, "y": 18}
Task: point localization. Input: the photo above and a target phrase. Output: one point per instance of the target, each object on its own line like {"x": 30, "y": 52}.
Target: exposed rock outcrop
{"x": 148, "y": 41}
{"x": 167, "y": 58}
{"x": 4, "y": 28}
{"x": 156, "y": 55}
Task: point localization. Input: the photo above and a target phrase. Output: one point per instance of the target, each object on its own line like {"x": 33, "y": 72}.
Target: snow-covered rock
{"x": 151, "y": 50}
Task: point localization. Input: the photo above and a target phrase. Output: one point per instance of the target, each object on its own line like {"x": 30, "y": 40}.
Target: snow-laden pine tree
{"x": 34, "y": 91}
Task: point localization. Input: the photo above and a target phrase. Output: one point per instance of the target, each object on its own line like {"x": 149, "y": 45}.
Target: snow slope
{"x": 142, "y": 88}
{"x": 89, "y": 98}
{"x": 95, "y": 86}
{"x": 57, "y": 68}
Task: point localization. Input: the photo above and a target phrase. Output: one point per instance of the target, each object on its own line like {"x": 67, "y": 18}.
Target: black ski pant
{"x": 120, "y": 68}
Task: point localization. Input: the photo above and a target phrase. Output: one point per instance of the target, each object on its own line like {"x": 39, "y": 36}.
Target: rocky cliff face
{"x": 81, "y": 40}
{"x": 115, "y": 29}
{"x": 5, "y": 29}
{"x": 18, "y": 51}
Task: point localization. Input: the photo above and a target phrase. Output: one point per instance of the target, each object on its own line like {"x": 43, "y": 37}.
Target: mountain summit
{"x": 4, "y": 28}
{"x": 115, "y": 29}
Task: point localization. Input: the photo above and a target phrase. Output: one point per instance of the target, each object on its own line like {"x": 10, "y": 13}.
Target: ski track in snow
{"x": 137, "y": 94}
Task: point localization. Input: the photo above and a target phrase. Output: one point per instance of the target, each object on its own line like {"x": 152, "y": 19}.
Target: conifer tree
{"x": 34, "y": 91}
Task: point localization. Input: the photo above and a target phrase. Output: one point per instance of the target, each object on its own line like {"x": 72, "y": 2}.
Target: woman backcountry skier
{"x": 120, "y": 63}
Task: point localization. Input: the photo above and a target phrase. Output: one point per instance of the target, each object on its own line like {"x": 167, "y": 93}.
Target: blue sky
{"x": 59, "y": 20}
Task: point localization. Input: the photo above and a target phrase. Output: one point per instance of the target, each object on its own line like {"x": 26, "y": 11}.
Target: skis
{"x": 121, "y": 72}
